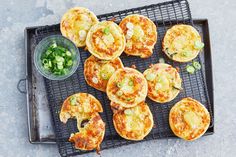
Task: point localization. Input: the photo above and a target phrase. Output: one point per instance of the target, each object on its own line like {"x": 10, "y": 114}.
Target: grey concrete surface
{"x": 18, "y": 14}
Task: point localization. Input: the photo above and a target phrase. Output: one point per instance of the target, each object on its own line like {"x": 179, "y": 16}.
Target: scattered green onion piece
{"x": 150, "y": 76}
{"x": 197, "y": 65}
{"x": 104, "y": 76}
{"x": 128, "y": 99}
{"x": 186, "y": 53}
{"x": 119, "y": 84}
{"x": 119, "y": 93}
{"x": 190, "y": 69}
{"x": 161, "y": 60}
{"x": 106, "y": 31}
{"x": 73, "y": 101}
{"x": 131, "y": 83}
{"x": 128, "y": 111}
{"x": 198, "y": 45}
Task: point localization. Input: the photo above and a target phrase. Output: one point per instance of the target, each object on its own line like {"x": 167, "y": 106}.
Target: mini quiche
{"x": 76, "y": 23}
{"x": 133, "y": 123}
{"x": 141, "y": 35}
{"x": 85, "y": 108}
{"x": 97, "y": 72}
{"x": 105, "y": 40}
{"x": 164, "y": 82}
{"x": 182, "y": 43}
{"x": 189, "y": 119}
{"x": 127, "y": 87}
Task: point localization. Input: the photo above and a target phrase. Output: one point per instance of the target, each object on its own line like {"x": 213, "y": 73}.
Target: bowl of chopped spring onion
{"x": 56, "y": 57}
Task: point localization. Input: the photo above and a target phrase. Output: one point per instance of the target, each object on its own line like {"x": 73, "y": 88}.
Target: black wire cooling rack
{"x": 164, "y": 16}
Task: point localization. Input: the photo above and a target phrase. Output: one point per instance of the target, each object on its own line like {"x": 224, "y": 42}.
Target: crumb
{"x": 150, "y": 65}
{"x": 113, "y": 19}
{"x": 177, "y": 68}
{"x": 133, "y": 66}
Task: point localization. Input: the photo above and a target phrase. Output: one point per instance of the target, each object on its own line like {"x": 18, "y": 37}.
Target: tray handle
{"x": 19, "y": 86}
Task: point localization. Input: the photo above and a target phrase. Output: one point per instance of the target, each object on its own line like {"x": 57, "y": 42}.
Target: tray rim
{"x": 32, "y": 133}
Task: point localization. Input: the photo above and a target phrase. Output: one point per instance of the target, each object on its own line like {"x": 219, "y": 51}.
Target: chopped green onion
{"x": 73, "y": 101}
{"x": 119, "y": 84}
{"x": 48, "y": 52}
{"x": 186, "y": 53}
{"x": 161, "y": 60}
{"x": 60, "y": 63}
{"x": 49, "y": 64}
{"x": 60, "y": 67}
{"x": 128, "y": 111}
{"x": 68, "y": 53}
{"x": 54, "y": 45}
{"x": 197, "y": 65}
{"x": 106, "y": 31}
{"x": 158, "y": 86}
{"x": 57, "y": 59}
{"x": 190, "y": 69}
{"x": 128, "y": 99}
{"x": 69, "y": 63}
{"x": 150, "y": 76}
{"x": 131, "y": 83}
{"x": 198, "y": 45}
{"x": 45, "y": 61}
{"x": 119, "y": 93}
{"x": 104, "y": 76}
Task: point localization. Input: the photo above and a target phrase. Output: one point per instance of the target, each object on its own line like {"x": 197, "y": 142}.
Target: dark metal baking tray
{"x": 39, "y": 120}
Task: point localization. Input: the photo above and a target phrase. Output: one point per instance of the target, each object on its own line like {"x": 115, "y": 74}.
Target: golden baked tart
{"x": 189, "y": 119}
{"x": 76, "y": 23}
{"x": 97, "y": 72}
{"x": 182, "y": 43}
{"x": 141, "y": 35}
{"x": 133, "y": 123}
{"x": 84, "y": 107}
{"x": 127, "y": 87}
{"x": 164, "y": 82}
{"x": 105, "y": 40}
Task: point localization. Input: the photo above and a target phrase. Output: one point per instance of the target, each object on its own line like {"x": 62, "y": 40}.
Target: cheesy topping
{"x": 192, "y": 119}
{"x": 97, "y": 72}
{"x": 133, "y": 123}
{"x": 75, "y": 24}
{"x": 179, "y": 43}
{"x": 132, "y": 84}
{"x": 189, "y": 119}
{"x": 164, "y": 82}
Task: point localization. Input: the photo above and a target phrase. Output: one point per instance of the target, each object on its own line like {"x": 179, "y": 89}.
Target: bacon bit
{"x": 133, "y": 66}
{"x": 177, "y": 68}
{"x": 112, "y": 19}
{"x": 86, "y": 48}
{"x": 150, "y": 65}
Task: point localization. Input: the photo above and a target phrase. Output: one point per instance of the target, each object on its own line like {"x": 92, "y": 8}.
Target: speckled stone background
{"x": 18, "y": 14}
